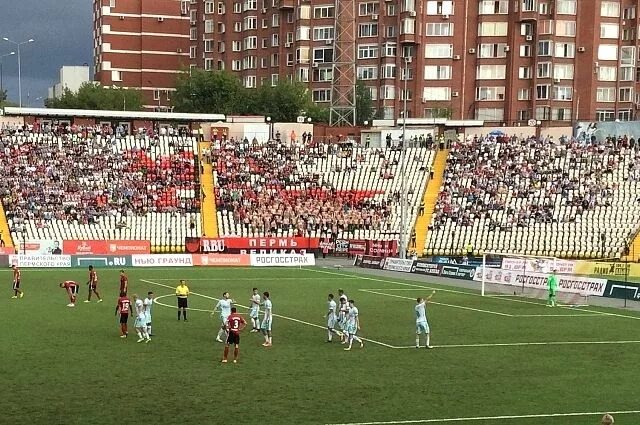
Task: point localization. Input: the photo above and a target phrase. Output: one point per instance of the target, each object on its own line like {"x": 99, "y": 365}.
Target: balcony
{"x": 286, "y": 4}
{"x": 407, "y": 39}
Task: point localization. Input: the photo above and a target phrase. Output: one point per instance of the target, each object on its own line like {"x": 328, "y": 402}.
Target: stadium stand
{"x": 99, "y": 184}
{"x": 315, "y": 190}
{"x": 538, "y": 197}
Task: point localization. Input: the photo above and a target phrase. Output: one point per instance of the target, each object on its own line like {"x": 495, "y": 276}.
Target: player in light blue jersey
{"x": 353, "y": 325}
{"x": 343, "y": 311}
{"x": 224, "y": 305}
{"x": 332, "y": 318}
{"x": 422, "y": 326}
{"x": 148, "y": 303}
{"x": 254, "y": 313}
{"x": 267, "y": 319}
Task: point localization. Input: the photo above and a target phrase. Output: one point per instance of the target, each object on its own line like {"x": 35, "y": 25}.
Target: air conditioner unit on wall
{"x": 581, "y": 49}
{"x": 374, "y": 17}
{"x": 529, "y": 38}
{"x": 160, "y": 19}
{"x": 455, "y": 94}
{"x": 456, "y": 57}
{"x": 472, "y": 51}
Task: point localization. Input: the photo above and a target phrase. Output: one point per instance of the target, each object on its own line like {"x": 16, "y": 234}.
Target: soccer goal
{"x": 503, "y": 274}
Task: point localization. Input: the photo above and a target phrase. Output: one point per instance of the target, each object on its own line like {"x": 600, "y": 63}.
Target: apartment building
{"x": 141, "y": 44}
{"x": 503, "y": 61}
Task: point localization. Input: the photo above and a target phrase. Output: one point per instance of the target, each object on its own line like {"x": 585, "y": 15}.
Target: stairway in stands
{"x": 4, "y": 228}
{"x": 209, "y": 212}
{"x": 430, "y": 198}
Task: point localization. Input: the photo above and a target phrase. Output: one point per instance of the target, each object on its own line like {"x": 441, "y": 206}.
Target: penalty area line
{"x": 491, "y": 418}
{"x": 526, "y": 344}
{"x": 291, "y": 319}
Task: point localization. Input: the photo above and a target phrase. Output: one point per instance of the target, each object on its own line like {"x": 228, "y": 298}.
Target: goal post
{"x": 526, "y": 276}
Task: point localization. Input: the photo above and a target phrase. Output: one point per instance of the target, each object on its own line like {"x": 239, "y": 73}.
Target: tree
{"x": 93, "y": 96}
{"x": 284, "y": 102}
{"x": 200, "y": 91}
{"x": 365, "y": 109}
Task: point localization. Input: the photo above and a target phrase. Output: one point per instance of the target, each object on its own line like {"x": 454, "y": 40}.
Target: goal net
{"x": 526, "y": 276}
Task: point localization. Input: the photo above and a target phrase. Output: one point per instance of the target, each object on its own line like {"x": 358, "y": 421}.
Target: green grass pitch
{"x": 68, "y": 366}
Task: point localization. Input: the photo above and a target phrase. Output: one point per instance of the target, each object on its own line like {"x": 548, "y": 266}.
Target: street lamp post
{"x": 270, "y": 128}
{"x": 18, "y": 44}
{"x": 1, "y": 57}
{"x": 403, "y": 185}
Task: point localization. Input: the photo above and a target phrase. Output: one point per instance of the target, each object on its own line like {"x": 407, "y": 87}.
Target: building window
{"x": 607, "y": 73}
{"x": 490, "y": 114}
{"x": 624, "y": 115}
{"x": 320, "y": 12}
{"x": 629, "y": 13}
{"x": 566, "y": 7}
{"x": 440, "y": 7}
{"x": 303, "y": 33}
{"x": 493, "y": 29}
{"x": 367, "y": 73}
{"x": 566, "y": 28}
{"x": 528, "y": 5}
{"x": 545, "y": 27}
{"x": 323, "y": 33}
{"x": 250, "y": 5}
{"x": 208, "y": 26}
{"x": 387, "y": 92}
{"x": 561, "y": 114}
{"x": 193, "y": 34}
{"x": 627, "y": 55}
{"x": 250, "y": 43}
{"x": 370, "y": 8}
{"x": 490, "y": 93}
{"x": 543, "y": 70}
{"x": 250, "y": 81}
{"x": 251, "y": 23}
{"x": 321, "y": 95}
{"x": 193, "y": 52}
{"x": 437, "y": 93}
{"x": 274, "y": 79}
{"x": 437, "y": 72}
{"x": 525, "y": 51}
{"x": 322, "y": 75}
{"x": 390, "y": 31}
{"x": 608, "y": 52}
{"x": 156, "y": 94}
{"x": 237, "y": 7}
{"x": 368, "y": 30}
{"x": 563, "y": 71}
{"x": 605, "y": 94}
{"x": 323, "y": 55}
{"x": 275, "y": 40}
{"x": 605, "y": 115}
{"x": 236, "y": 46}
{"x": 237, "y": 26}
{"x": 275, "y": 21}
{"x": 562, "y": 93}
{"x": 408, "y": 26}
{"x": 493, "y": 50}
{"x": 608, "y": 30}
{"x": 208, "y": 46}
{"x": 610, "y": 9}
{"x": 542, "y": 91}
{"x": 544, "y": 47}
{"x": 367, "y": 51}
{"x": 524, "y": 73}
{"x": 221, "y": 8}
{"x": 626, "y": 73}
{"x": 625, "y": 94}
{"x": 523, "y": 115}
{"x": 524, "y": 94}
{"x": 209, "y": 7}
{"x": 391, "y": 9}
{"x": 388, "y": 71}
{"x": 565, "y": 50}
{"x": 439, "y": 29}
{"x": 208, "y": 64}
{"x": 494, "y": 7}
{"x": 491, "y": 72}
{"x": 302, "y": 74}
{"x": 436, "y": 51}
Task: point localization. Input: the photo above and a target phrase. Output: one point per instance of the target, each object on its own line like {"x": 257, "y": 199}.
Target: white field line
{"x": 247, "y": 279}
{"x": 275, "y": 315}
{"x": 492, "y": 418}
{"x": 155, "y": 301}
{"x": 484, "y": 311}
{"x": 527, "y": 344}
{"x": 373, "y": 279}
{"x": 438, "y": 303}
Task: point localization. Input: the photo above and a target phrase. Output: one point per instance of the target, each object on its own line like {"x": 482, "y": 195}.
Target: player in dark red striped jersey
{"x": 123, "y": 307}
{"x": 72, "y": 288}
{"x": 93, "y": 285}
{"x": 235, "y": 324}
{"x": 17, "y": 292}
{"x": 124, "y": 282}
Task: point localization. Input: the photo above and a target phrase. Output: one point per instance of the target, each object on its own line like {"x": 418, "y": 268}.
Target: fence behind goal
{"x": 526, "y": 276}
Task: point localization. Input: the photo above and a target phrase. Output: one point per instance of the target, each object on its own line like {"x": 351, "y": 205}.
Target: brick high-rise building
{"x": 503, "y": 61}
{"x": 141, "y": 44}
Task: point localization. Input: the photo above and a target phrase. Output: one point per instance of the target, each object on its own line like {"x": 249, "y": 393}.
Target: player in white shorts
{"x": 254, "y": 313}
{"x": 332, "y": 317}
{"x": 148, "y": 303}
{"x": 141, "y": 320}
{"x": 422, "y": 326}
{"x": 353, "y": 325}
{"x": 342, "y": 319}
{"x": 267, "y": 320}
{"x": 224, "y": 305}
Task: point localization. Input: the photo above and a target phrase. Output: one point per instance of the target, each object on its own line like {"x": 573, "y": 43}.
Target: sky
{"x": 62, "y": 30}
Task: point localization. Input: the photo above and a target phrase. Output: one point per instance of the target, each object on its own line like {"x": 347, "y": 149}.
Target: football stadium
{"x": 364, "y": 215}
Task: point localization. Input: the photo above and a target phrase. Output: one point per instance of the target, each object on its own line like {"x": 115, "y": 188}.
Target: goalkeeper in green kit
{"x": 552, "y": 284}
